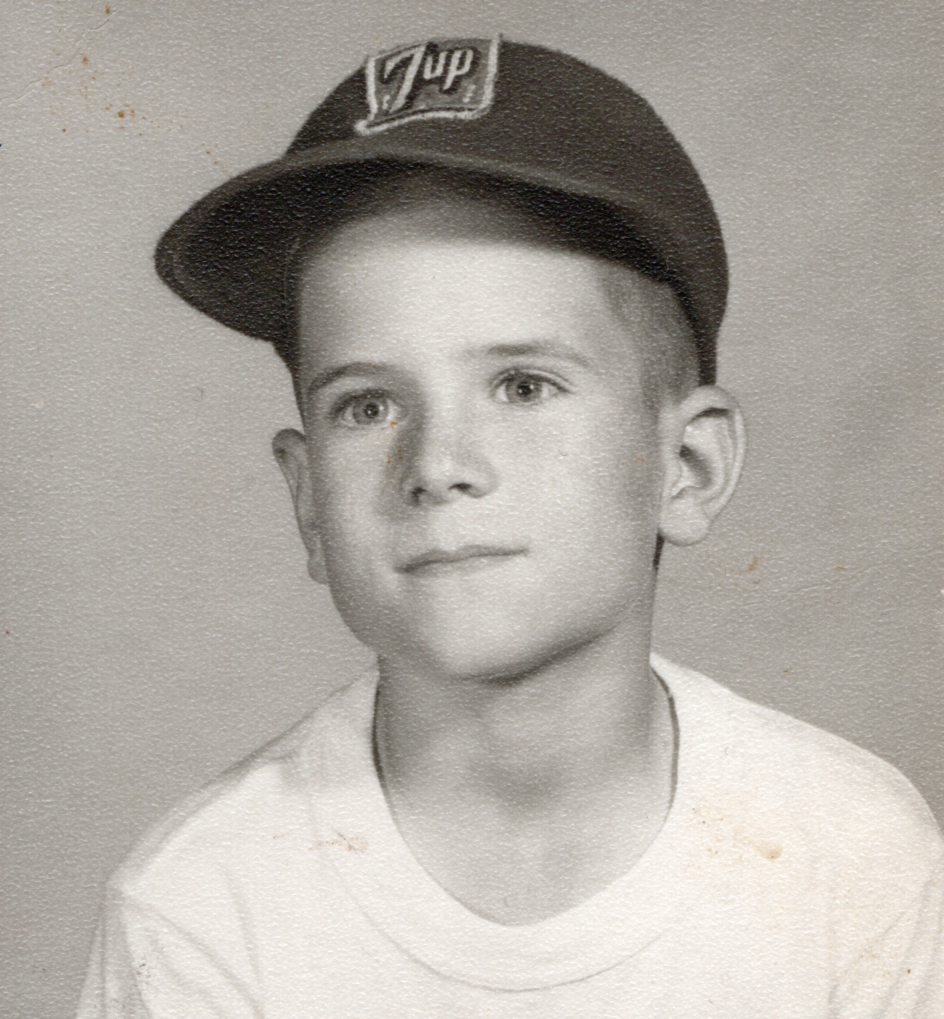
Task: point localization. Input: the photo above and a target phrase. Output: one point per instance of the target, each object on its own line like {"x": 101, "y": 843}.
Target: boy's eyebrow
{"x": 361, "y": 368}
{"x": 547, "y": 348}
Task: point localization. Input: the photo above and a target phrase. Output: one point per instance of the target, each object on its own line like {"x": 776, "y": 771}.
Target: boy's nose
{"x": 443, "y": 461}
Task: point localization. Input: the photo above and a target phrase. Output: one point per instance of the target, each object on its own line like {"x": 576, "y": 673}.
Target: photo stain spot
{"x": 354, "y": 844}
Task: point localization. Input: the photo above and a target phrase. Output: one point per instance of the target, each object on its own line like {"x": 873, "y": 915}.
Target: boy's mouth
{"x": 466, "y": 558}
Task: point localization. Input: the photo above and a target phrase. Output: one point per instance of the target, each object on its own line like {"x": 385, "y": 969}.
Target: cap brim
{"x": 227, "y": 254}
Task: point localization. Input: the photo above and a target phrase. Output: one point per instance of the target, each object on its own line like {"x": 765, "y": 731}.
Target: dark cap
{"x": 515, "y": 112}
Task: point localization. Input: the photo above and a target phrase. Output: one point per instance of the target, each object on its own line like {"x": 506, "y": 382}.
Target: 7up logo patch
{"x": 441, "y": 78}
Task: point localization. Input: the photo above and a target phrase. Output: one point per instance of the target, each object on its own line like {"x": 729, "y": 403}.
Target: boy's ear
{"x": 291, "y": 453}
{"x": 703, "y": 443}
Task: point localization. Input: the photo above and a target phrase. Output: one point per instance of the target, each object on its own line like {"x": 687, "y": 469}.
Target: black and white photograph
{"x": 471, "y": 491}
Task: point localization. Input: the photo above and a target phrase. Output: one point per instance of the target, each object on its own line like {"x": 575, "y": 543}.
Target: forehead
{"x": 443, "y": 270}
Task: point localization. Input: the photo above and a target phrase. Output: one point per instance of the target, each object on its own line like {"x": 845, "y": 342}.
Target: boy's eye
{"x": 524, "y": 388}
{"x": 366, "y": 409}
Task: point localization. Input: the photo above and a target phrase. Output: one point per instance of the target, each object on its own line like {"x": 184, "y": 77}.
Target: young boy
{"x": 497, "y": 281}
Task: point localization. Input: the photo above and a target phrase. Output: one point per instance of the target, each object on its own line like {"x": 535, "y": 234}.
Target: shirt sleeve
{"x": 900, "y": 974}
{"x": 143, "y": 967}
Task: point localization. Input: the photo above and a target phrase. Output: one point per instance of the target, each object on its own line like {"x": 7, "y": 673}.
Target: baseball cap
{"x": 515, "y": 112}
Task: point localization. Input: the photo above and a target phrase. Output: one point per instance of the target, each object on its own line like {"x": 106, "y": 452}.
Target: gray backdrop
{"x": 157, "y": 619}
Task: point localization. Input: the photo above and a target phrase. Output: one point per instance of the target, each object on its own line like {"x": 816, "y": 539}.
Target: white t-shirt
{"x": 795, "y": 876}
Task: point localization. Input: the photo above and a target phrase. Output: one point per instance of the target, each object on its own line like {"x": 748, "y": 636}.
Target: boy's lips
{"x": 467, "y": 557}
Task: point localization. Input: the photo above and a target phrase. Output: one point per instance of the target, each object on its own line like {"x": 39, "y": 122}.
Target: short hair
{"x": 669, "y": 361}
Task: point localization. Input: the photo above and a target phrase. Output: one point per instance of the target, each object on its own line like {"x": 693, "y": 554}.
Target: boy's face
{"x": 482, "y": 482}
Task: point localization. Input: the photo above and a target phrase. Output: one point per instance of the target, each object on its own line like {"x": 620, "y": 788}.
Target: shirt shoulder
{"x": 870, "y": 847}
{"x": 260, "y": 808}
{"x": 220, "y": 890}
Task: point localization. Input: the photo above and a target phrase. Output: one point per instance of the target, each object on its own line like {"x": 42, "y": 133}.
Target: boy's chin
{"x": 467, "y": 665}
{"x": 475, "y": 657}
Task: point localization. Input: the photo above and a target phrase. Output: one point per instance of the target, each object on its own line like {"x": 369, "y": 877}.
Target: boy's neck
{"x": 580, "y": 751}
